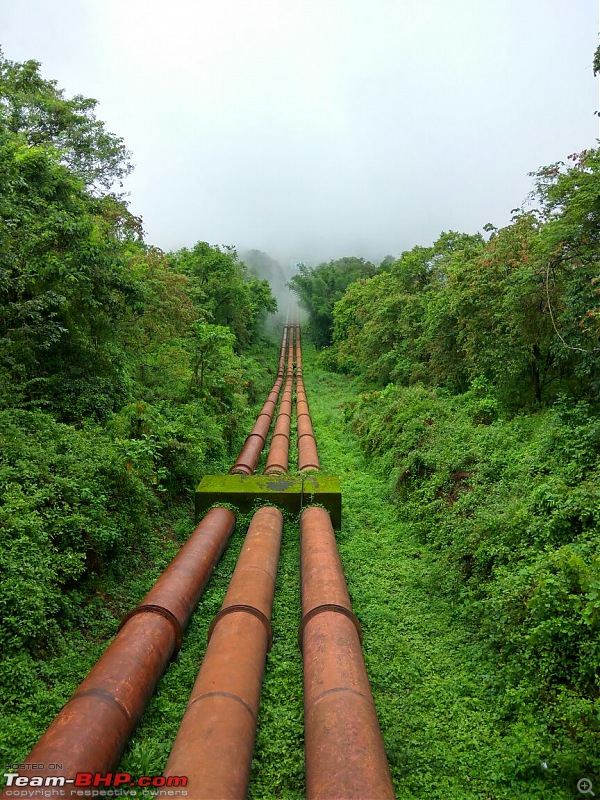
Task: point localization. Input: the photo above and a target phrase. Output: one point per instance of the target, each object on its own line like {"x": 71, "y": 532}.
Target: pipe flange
{"x": 312, "y": 436}
{"x": 163, "y": 612}
{"x": 328, "y": 607}
{"x": 249, "y": 610}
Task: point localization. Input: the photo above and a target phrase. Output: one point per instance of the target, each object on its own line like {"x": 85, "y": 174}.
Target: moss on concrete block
{"x": 245, "y": 492}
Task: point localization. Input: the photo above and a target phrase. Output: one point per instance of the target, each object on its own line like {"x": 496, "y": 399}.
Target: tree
{"x": 319, "y": 288}
{"x": 224, "y": 292}
{"x": 36, "y": 108}
{"x": 64, "y": 288}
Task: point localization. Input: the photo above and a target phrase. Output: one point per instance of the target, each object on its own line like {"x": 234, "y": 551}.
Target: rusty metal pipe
{"x": 282, "y": 426}
{"x": 91, "y": 731}
{"x": 305, "y": 427}
{"x": 286, "y": 407}
{"x": 308, "y": 457}
{"x": 277, "y": 461}
{"x": 249, "y": 455}
{"x": 215, "y": 742}
{"x": 278, "y": 455}
{"x": 262, "y": 425}
{"x": 345, "y": 755}
{"x": 269, "y": 408}
{"x": 302, "y": 407}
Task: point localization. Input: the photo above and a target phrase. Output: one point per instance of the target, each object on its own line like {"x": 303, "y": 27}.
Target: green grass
{"x": 433, "y": 680}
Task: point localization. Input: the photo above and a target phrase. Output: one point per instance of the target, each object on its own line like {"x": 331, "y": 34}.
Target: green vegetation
{"x": 126, "y": 373}
{"x": 485, "y": 685}
{"x": 319, "y": 288}
{"x": 478, "y": 406}
{"x": 521, "y": 310}
{"x": 463, "y": 422}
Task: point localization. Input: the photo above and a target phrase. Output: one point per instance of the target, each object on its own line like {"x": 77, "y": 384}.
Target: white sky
{"x": 314, "y": 129}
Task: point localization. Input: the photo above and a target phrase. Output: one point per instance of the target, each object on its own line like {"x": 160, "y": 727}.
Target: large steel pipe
{"x": 345, "y": 755}
{"x": 304, "y": 426}
{"x": 286, "y": 406}
{"x": 308, "y": 457}
{"x": 282, "y": 426}
{"x": 278, "y": 455}
{"x": 215, "y": 742}
{"x": 298, "y": 352}
{"x": 249, "y": 455}
{"x": 302, "y": 406}
{"x": 278, "y": 458}
{"x": 262, "y": 425}
{"x": 91, "y": 731}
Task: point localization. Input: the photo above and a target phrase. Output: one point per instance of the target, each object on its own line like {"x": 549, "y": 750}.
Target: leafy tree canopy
{"x": 36, "y": 108}
{"x": 319, "y": 288}
{"x": 521, "y": 311}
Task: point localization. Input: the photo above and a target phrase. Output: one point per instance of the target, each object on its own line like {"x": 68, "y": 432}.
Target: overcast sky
{"x": 314, "y": 129}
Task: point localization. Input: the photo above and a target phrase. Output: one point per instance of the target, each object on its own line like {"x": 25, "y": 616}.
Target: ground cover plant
{"x": 468, "y": 675}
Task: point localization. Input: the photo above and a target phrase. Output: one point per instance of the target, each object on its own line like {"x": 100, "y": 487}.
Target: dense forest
{"x": 479, "y": 362}
{"x": 126, "y": 373}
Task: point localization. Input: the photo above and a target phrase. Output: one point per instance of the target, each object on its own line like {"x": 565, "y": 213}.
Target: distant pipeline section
{"x": 278, "y": 456}
{"x": 308, "y": 458}
{"x": 249, "y": 455}
{"x": 345, "y": 756}
{"x": 242, "y": 487}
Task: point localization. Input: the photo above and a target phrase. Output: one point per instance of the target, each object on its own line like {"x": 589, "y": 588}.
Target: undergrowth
{"x": 456, "y": 721}
{"x": 458, "y": 551}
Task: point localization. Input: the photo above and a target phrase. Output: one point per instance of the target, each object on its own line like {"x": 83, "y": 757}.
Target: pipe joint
{"x": 337, "y": 609}
{"x": 241, "y": 607}
{"x": 163, "y": 612}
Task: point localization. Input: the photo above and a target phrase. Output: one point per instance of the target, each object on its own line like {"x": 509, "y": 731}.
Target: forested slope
{"x": 125, "y": 373}
{"x": 480, "y": 372}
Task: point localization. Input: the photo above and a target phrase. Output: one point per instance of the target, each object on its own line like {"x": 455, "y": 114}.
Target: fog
{"x": 316, "y": 129}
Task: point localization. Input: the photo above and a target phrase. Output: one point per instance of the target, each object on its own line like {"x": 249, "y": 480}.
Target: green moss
{"x": 289, "y": 493}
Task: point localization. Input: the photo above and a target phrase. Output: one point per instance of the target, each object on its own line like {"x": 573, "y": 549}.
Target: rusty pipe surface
{"x": 91, "y": 731}
{"x": 308, "y": 456}
{"x": 277, "y": 462}
{"x": 278, "y": 455}
{"x": 304, "y": 426}
{"x": 345, "y": 755}
{"x": 215, "y": 742}
{"x": 249, "y": 455}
